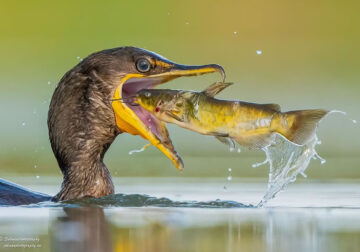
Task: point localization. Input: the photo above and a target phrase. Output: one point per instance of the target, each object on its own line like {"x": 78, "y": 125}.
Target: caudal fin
{"x": 299, "y": 126}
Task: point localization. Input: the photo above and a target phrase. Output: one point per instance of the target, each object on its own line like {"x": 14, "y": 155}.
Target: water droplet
{"x": 149, "y": 120}
{"x": 37, "y": 176}
{"x": 49, "y": 82}
{"x": 23, "y": 124}
{"x": 229, "y": 169}
{"x": 140, "y": 150}
{"x": 79, "y": 58}
{"x": 259, "y": 164}
{"x": 235, "y": 32}
{"x": 337, "y": 111}
{"x": 35, "y": 166}
{"x": 258, "y": 52}
{"x": 229, "y": 178}
{"x": 354, "y": 121}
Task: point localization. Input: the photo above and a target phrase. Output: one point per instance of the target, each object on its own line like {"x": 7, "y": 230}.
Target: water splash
{"x": 287, "y": 160}
{"x": 140, "y": 150}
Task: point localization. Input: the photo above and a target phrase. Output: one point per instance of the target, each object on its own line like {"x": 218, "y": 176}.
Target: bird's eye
{"x": 143, "y": 65}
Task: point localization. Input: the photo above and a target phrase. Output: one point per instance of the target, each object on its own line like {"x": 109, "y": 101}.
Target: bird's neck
{"x": 81, "y": 129}
{"x": 85, "y": 176}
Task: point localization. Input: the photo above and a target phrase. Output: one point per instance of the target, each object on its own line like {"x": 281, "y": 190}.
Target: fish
{"x": 251, "y": 125}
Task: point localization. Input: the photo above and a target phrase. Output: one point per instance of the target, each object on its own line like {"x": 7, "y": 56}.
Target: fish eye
{"x": 143, "y": 65}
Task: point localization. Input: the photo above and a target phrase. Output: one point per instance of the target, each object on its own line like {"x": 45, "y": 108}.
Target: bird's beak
{"x": 136, "y": 120}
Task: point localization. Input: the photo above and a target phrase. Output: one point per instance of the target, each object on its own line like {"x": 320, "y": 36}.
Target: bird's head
{"x": 107, "y": 78}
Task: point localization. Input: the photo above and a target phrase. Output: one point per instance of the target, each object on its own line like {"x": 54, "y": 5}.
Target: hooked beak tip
{"x": 186, "y": 70}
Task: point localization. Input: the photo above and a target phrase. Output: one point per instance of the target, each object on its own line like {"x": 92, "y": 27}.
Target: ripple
{"x": 140, "y": 200}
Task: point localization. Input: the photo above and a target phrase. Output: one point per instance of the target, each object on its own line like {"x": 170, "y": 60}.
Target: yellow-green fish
{"x": 249, "y": 124}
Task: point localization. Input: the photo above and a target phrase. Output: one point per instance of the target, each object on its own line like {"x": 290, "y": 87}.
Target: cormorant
{"x": 90, "y": 106}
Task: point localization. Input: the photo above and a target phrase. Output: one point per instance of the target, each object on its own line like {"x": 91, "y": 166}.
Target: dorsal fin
{"x": 216, "y": 88}
{"x": 272, "y": 106}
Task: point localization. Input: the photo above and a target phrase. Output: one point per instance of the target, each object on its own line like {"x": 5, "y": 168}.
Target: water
{"x": 140, "y": 150}
{"x": 286, "y": 161}
{"x": 140, "y": 200}
{"x": 185, "y": 215}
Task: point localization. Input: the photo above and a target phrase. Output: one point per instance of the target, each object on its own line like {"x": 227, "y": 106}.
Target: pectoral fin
{"x": 227, "y": 141}
{"x": 216, "y": 88}
{"x": 255, "y": 139}
{"x": 218, "y": 134}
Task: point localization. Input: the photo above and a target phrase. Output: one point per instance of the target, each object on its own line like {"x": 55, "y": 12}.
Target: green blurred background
{"x": 310, "y": 59}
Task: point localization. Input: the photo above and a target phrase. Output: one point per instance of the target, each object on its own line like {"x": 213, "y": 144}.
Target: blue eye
{"x": 143, "y": 65}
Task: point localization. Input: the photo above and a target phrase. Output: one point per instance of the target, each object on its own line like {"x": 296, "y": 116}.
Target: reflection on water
{"x": 180, "y": 229}
{"x": 187, "y": 217}
{"x": 80, "y": 229}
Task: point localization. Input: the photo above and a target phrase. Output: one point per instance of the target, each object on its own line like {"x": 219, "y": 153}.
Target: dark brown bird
{"x": 84, "y": 120}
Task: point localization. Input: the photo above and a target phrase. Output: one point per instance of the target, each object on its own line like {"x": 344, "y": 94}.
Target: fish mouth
{"x": 134, "y": 119}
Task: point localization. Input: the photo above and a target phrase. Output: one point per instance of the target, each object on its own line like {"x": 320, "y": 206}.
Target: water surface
{"x": 309, "y": 216}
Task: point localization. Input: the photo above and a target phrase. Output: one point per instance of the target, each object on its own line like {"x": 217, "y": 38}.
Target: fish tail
{"x": 298, "y": 126}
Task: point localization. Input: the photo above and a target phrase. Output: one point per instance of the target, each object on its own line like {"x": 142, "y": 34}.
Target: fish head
{"x": 165, "y": 104}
